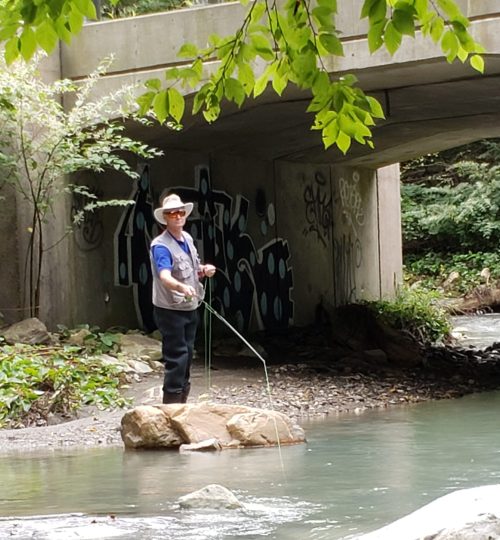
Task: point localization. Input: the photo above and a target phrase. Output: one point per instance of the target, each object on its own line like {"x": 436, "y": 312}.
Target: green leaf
{"x": 212, "y": 113}
{"x": 462, "y": 54}
{"x": 261, "y": 82}
{"x": 347, "y": 125}
{"x": 246, "y": 78}
{"x": 375, "y": 107}
{"x": 375, "y": 33}
{"x": 258, "y": 10}
{"x": 367, "y": 6}
{"x": 437, "y": 29}
{"x": 343, "y": 142}
{"x": 8, "y": 31}
{"x": 46, "y": 36}
{"x": 160, "y": 106}
{"x": 28, "y": 43}
{"x": 323, "y": 15}
{"x": 279, "y": 83}
{"x": 477, "y": 62}
{"x": 421, "y": 7}
{"x": 321, "y": 84}
{"x": 449, "y": 45}
{"x": 332, "y": 44}
{"x": 378, "y": 11}
{"x": 305, "y": 67}
{"x": 86, "y": 8}
{"x": 75, "y": 21}
{"x": 392, "y": 38}
{"x": 62, "y": 30}
{"x": 234, "y": 91}
{"x": 172, "y": 73}
{"x": 188, "y": 50}
{"x": 153, "y": 84}
{"x": 330, "y": 133}
{"x": 262, "y": 46}
{"x": 450, "y": 8}
{"x": 200, "y": 97}
{"x": 176, "y": 104}
{"x": 403, "y": 22}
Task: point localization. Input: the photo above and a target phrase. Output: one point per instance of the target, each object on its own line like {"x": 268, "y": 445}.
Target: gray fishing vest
{"x": 185, "y": 270}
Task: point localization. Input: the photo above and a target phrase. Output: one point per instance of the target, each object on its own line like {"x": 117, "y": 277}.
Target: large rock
{"x": 467, "y": 514}
{"x": 264, "y": 428}
{"x": 205, "y": 426}
{"x": 30, "y": 331}
{"x": 148, "y": 427}
{"x": 196, "y": 423}
{"x": 212, "y": 496}
{"x": 139, "y": 347}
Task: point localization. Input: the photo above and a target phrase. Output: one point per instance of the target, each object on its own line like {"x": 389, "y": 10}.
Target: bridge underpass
{"x": 289, "y": 224}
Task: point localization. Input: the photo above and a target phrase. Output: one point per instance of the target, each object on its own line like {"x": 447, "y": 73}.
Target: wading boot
{"x": 172, "y": 397}
{"x": 185, "y": 394}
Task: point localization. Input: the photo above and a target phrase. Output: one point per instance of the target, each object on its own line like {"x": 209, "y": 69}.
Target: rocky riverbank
{"x": 305, "y": 373}
{"x": 307, "y": 387}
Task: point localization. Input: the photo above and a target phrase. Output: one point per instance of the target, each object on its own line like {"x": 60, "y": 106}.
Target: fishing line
{"x": 268, "y": 386}
{"x": 207, "y": 319}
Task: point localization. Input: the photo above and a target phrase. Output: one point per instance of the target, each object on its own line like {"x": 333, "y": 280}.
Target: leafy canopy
{"x": 276, "y": 44}
{"x": 293, "y": 44}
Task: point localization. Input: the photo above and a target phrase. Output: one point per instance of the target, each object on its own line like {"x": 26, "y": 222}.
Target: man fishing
{"x": 177, "y": 294}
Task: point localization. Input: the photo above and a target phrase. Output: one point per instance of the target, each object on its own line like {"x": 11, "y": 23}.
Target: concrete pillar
{"x": 366, "y": 233}
{"x": 304, "y": 211}
{"x": 390, "y": 240}
{"x": 355, "y": 235}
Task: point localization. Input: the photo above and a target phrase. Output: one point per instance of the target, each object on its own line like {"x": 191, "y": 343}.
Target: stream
{"x": 355, "y": 474}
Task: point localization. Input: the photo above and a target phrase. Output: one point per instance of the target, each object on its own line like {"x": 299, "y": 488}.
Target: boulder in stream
{"x": 224, "y": 426}
{"x": 467, "y": 514}
{"x": 213, "y": 496}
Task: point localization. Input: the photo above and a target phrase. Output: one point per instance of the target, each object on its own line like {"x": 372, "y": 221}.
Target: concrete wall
{"x": 10, "y": 287}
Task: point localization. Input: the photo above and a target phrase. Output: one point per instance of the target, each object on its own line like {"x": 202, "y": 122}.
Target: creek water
{"x": 355, "y": 474}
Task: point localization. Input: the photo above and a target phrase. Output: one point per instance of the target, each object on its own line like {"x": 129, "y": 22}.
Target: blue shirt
{"x": 163, "y": 258}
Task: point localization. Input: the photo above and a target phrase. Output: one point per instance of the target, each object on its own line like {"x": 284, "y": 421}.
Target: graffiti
{"x": 133, "y": 236}
{"x": 318, "y": 206}
{"x": 348, "y": 256}
{"x": 251, "y": 285}
{"x": 351, "y": 202}
{"x": 89, "y": 230}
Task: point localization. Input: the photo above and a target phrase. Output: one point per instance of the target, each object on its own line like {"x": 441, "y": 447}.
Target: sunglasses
{"x": 175, "y": 213}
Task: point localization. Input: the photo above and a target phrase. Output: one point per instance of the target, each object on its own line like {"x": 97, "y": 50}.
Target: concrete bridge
{"x": 289, "y": 224}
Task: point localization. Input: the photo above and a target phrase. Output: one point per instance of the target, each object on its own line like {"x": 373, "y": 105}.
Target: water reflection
{"x": 356, "y": 473}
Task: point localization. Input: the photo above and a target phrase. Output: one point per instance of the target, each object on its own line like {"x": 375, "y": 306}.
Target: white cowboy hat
{"x": 172, "y": 202}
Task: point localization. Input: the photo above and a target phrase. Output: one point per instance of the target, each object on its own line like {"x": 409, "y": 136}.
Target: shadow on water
{"x": 355, "y": 474}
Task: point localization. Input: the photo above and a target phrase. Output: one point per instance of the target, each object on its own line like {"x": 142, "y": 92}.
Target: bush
{"x": 432, "y": 269}
{"x": 417, "y": 312}
{"x": 38, "y": 380}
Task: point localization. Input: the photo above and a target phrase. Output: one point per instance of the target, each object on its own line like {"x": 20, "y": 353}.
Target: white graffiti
{"x": 351, "y": 201}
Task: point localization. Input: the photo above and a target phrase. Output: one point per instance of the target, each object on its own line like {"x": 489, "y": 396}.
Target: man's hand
{"x": 187, "y": 290}
{"x": 208, "y": 270}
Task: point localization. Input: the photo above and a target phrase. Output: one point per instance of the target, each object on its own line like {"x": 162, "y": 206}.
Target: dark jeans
{"x": 178, "y": 330}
